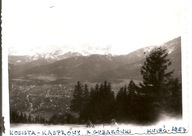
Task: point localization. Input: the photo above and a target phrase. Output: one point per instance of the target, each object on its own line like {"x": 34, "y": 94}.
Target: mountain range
{"x": 91, "y": 67}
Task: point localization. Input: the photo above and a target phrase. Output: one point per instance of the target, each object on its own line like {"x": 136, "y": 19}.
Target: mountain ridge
{"x": 96, "y": 67}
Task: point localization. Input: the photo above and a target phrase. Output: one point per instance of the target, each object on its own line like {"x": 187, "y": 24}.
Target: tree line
{"x": 21, "y": 117}
{"x": 159, "y": 93}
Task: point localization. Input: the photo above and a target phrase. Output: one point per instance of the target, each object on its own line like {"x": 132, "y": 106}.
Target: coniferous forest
{"x": 159, "y": 93}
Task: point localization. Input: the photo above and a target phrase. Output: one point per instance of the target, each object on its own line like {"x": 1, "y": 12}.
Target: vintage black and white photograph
{"x": 94, "y": 64}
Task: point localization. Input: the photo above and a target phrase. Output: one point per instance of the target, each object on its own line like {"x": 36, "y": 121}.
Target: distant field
{"x": 46, "y": 78}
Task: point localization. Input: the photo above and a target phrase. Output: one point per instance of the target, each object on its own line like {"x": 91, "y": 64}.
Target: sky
{"x": 120, "y": 26}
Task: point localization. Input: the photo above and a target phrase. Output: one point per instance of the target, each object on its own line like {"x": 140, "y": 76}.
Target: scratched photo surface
{"x": 94, "y": 65}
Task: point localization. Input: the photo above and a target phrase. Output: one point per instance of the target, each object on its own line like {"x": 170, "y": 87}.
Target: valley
{"x": 47, "y": 95}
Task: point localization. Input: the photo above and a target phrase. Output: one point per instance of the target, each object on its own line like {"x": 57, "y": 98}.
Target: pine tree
{"x": 85, "y": 95}
{"x": 132, "y": 88}
{"x": 76, "y": 102}
{"x": 155, "y": 74}
{"x": 106, "y": 102}
{"x": 101, "y": 103}
{"x": 84, "y": 103}
{"x": 93, "y": 105}
{"x": 173, "y": 101}
{"x": 121, "y": 104}
{"x": 79, "y": 103}
{"x": 156, "y": 92}
{"x": 133, "y": 102}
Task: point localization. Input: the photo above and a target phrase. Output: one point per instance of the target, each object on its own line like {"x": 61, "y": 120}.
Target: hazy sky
{"x": 121, "y": 25}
